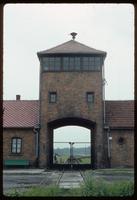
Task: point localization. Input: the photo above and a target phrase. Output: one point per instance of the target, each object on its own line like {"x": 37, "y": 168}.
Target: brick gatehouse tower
{"x": 71, "y": 93}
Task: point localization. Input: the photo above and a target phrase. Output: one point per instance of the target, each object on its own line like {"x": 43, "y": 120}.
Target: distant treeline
{"x": 76, "y": 151}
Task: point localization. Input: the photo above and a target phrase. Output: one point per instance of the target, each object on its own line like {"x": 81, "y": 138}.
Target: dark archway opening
{"x": 80, "y": 122}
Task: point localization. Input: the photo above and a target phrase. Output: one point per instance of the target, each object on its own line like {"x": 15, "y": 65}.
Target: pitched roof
{"x": 20, "y": 113}
{"x": 71, "y": 47}
{"x": 120, "y": 113}
{"x": 25, "y": 114}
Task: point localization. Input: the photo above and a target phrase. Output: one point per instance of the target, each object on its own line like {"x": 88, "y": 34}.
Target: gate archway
{"x": 71, "y": 122}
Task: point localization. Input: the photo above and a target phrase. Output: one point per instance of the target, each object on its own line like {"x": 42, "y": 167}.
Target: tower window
{"x": 72, "y": 63}
{"x": 85, "y": 63}
{"x": 66, "y": 63}
{"x": 90, "y": 97}
{"x": 16, "y": 144}
{"x": 57, "y": 64}
{"x": 77, "y": 63}
{"x": 45, "y": 63}
{"x": 52, "y": 97}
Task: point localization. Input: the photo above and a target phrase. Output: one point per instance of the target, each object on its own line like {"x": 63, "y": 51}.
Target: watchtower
{"x": 71, "y": 93}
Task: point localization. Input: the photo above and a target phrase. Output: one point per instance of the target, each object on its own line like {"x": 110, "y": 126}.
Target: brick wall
{"x": 122, "y": 155}
{"x": 28, "y": 144}
{"x": 71, "y": 88}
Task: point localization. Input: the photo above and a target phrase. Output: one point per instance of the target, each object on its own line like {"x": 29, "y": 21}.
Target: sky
{"x": 72, "y": 134}
{"x": 29, "y": 28}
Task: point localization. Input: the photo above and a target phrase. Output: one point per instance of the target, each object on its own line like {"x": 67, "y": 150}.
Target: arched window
{"x": 16, "y": 145}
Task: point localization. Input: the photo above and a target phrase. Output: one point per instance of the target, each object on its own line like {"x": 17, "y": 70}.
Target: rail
{"x": 71, "y": 170}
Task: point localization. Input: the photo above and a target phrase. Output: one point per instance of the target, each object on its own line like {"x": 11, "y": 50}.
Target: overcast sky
{"x": 72, "y": 134}
{"x": 35, "y": 27}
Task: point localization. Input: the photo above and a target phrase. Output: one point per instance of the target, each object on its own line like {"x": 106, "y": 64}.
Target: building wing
{"x": 120, "y": 113}
{"x": 26, "y": 113}
{"x": 20, "y": 113}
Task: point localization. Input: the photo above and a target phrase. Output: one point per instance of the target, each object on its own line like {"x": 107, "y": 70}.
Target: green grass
{"x": 81, "y": 159}
{"x": 100, "y": 188}
{"x": 51, "y": 190}
{"x": 112, "y": 172}
{"x": 91, "y": 187}
{"x": 85, "y": 160}
{"x": 48, "y": 191}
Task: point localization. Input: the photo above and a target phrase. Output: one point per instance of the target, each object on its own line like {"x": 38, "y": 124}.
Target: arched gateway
{"x": 72, "y": 121}
{"x": 71, "y": 93}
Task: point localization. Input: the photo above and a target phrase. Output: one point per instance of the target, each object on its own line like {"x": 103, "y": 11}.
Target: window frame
{"x": 57, "y": 64}
{"x": 16, "y": 145}
{"x": 66, "y": 68}
{"x": 77, "y": 67}
{"x": 93, "y": 97}
{"x": 53, "y": 93}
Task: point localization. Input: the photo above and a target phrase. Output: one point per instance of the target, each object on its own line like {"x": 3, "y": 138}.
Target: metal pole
{"x": 71, "y": 153}
{"x": 36, "y": 131}
{"x": 109, "y": 146}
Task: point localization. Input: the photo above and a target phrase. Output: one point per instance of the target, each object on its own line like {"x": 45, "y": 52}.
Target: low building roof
{"x": 119, "y": 113}
{"x": 20, "y": 113}
{"x": 25, "y": 113}
{"x": 71, "y": 47}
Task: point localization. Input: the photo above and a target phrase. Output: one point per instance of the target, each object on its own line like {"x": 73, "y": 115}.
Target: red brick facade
{"x": 115, "y": 120}
{"x": 28, "y": 145}
{"x": 122, "y": 154}
{"x": 71, "y": 91}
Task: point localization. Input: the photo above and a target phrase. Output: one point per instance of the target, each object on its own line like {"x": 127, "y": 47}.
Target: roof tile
{"x": 71, "y": 47}
{"x": 20, "y": 113}
{"x": 25, "y": 114}
{"x": 120, "y": 113}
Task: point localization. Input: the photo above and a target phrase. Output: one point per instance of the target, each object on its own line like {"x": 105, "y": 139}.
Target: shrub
{"x": 100, "y": 188}
{"x": 122, "y": 188}
{"x": 93, "y": 187}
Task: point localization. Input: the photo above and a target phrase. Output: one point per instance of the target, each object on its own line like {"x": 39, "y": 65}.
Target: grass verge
{"x": 113, "y": 171}
{"x": 100, "y": 188}
{"x": 91, "y": 187}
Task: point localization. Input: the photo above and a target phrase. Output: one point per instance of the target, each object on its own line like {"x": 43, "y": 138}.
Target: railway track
{"x": 71, "y": 178}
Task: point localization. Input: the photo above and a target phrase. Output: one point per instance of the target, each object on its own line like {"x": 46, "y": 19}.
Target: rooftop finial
{"x": 73, "y": 35}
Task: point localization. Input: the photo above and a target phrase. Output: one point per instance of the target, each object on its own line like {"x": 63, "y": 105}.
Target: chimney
{"x": 17, "y": 97}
